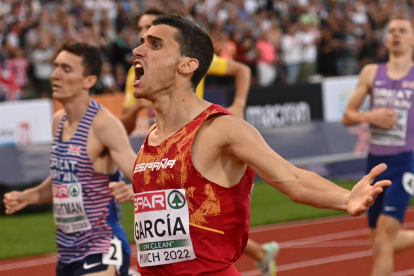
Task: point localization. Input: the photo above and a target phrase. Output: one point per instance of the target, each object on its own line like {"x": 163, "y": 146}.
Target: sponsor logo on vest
{"x": 150, "y": 202}
{"x": 278, "y": 115}
{"x": 60, "y": 191}
{"x": 163, "y": 164}
{"x": 176, "y": 200}
{"x": 74, "y": 190}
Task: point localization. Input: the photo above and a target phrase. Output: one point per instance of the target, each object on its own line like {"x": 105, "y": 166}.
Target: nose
{"x": 55, "y": 74}
{"x": 139, "y": 51}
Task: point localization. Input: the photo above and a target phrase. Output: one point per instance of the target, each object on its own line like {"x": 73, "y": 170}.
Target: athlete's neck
{"x": 399, "y": 66}
{"x": 177, "y": 110}
{"x": 76, "y": 108}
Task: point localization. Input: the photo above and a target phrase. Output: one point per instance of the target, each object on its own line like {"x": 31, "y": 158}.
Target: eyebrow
{"x": 61, "y": 64}
{"x": 151, "y": 37}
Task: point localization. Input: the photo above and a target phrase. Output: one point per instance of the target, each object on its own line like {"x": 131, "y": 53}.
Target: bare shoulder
{"x": 368, "y": 72}
{"x": 104, "y": 119}
{"x": 226, "y": 128}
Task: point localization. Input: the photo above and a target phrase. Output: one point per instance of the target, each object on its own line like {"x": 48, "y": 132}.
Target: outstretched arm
{"x": 381, "y": 117}
{"x": 244, "y": 143}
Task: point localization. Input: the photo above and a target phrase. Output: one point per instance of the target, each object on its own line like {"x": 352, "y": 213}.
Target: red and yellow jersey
{"x": 218, "y": 217}
{"x": 218, "y": 67}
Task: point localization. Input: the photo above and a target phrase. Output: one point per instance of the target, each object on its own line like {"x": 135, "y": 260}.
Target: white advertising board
{"x": 26, "y": 122}
{"x": 336, "y": 92}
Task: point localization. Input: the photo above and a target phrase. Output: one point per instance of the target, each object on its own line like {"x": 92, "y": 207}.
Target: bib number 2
{"x": 114, "y": 255}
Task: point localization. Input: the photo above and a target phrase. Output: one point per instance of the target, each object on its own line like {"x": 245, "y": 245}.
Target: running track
{"x": 334, "y": 246}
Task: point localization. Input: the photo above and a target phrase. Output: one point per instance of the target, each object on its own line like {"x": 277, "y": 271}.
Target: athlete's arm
{"x": 242, "y": 77}
{"x": 129, "y": 115}
{"x": 381, "y": 117}
{"x": 41, "y": 194}
{"x": 242, "y": 141}
{"x": 111, "y": 133}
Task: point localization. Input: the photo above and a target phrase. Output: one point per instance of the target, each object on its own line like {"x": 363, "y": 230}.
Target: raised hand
{"x": 121, "y": 192}
{"x": 383, "y": 117}
{"x": 363, "y": 194}
{"x": 14, "y": 201}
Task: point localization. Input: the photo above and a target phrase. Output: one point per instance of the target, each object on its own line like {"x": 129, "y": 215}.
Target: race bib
{"x": 394, "y": 136}
{"x": 114, "y": 255}
{"x": 162, "y": 229}
{"x": 68, "y": 209}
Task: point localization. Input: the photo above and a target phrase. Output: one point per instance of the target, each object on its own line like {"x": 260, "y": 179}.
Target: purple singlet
{"x": 396, "y": 94}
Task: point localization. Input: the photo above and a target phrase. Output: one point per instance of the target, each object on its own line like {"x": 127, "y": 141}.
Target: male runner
{"x": 391, "y": 122}
{"x": 194, "y": 172}
{"x": 264, "y": 255}
{"x": 89, "y": 145}
{"x": 219, "y": 67}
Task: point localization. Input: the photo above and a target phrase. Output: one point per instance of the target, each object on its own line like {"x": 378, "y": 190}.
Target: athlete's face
{"x": 156, "y": 61}
{"x": 400, "y": 36}
{"x": 68, "y": 80}
{"x": 144, "y": 23}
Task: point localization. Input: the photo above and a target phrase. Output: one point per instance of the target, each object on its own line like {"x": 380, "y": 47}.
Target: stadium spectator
{"x": 355, "y": 27}
{"x": 42, "y": 59}
{"x": 266, "y": 69}
{"x": 291, "y": 53}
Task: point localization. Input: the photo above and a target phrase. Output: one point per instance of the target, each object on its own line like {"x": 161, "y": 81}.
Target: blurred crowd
{"x": 282, "y": 41}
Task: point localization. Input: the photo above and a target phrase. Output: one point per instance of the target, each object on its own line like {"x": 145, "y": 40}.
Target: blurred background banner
{"x": 25, "y": 122}
{"x": 336, "y": 94}
{"x": 284, "y": 105}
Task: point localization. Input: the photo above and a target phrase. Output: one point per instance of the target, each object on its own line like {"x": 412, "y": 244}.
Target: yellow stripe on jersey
{"x": 206, "y": 228}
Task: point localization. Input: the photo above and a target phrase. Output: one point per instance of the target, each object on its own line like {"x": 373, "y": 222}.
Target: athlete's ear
{"x": 89, "y": 82}
{"x": 187, "y": 65}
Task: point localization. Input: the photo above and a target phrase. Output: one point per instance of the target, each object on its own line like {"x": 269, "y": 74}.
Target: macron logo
{"x": 163, "y": 164}
{"x": 380, "y": 82}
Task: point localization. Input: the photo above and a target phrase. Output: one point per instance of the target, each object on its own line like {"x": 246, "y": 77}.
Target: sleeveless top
{"x": 396, "y": 94}
{"x": 218, "y": 217}
{"x": 81, "y": 196}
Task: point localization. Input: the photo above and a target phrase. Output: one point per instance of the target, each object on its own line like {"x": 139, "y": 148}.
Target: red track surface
{"x": 335, "y": 246}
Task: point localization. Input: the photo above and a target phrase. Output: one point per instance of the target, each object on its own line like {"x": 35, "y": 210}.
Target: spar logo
{"x": 157, "y": 201}
{"x": 66, "y": 191}
{"x": 74, "y": 190}
{"x": 60, "y": 191}
{"x": 176, "y": 200}
{"x": 153, "y": 201}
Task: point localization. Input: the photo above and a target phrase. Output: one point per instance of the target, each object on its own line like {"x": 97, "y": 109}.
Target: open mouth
{"x": 139, "y": 72}
{"x": 396, "y": 42}
{"x": 56, "y": 87}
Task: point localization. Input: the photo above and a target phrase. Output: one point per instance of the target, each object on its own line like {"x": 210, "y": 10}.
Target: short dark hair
{"x": 194, "y": 42}
{"x": 153, "y": 11}
{"x": 91, "y": 58}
